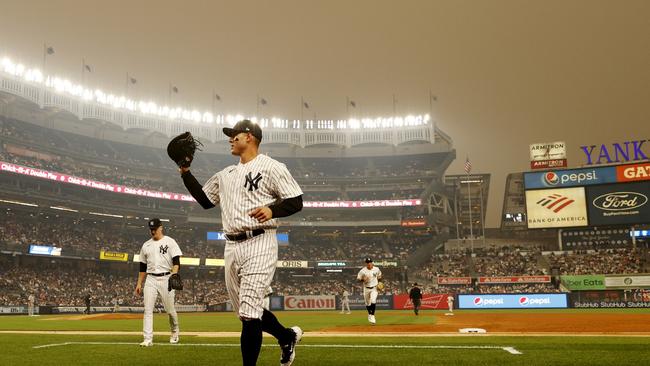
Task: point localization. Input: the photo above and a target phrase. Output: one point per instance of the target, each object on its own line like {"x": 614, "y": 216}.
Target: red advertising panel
{"x": 59, "y": 177}
{"x": 429, "y": 301}
{"x": 632, "y": 173}
{"x": 547, "y": 164}
{"x": 413, "y": 223}
{"x": 514, "y": 279}
{"x": 454, "y": 280}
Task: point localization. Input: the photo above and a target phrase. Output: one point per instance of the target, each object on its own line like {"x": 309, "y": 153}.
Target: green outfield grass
{"x": 18, "y": 349}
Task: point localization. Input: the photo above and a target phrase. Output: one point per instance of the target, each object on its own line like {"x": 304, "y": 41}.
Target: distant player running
{"x": 159, "y": 260}
{"x": 252, "y": 195}
{"x": 369, "y": 276}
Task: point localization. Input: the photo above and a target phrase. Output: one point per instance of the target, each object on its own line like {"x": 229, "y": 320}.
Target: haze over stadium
{"x": 496, "y": 154}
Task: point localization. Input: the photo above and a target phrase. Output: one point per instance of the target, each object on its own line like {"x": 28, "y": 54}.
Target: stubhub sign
{"x": 570, "y": 178}
{"x": 513, "y": 301}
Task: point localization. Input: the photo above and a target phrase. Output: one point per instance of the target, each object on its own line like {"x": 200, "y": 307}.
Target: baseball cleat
{"x": 174, "y": 339}
{"x": 146, "y": 344}
{"x": 289, "y": 350}
{"x": 371, "y": 319}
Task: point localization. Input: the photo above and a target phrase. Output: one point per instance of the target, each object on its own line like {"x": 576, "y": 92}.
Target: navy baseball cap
{"x": 154, "y": 223}
{"x": 244, "y": 126}
{"x": 368, "y": 260}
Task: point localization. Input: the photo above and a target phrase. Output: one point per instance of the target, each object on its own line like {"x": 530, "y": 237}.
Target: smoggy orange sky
{"x": 506, "y": 73}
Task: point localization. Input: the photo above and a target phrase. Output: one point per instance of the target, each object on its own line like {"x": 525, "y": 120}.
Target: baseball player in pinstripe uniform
{"x": 159, "y": 259}
{"x": 252, "y": 195}
{"x": 369, "y": 277}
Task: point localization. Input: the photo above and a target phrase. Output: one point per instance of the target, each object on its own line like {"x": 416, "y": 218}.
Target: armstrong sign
{"x": 548, "y": 155}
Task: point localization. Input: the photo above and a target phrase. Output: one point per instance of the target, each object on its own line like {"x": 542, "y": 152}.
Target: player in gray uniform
{"x": 159, "y": 258}
{"x": 30, "y": 304}
{"x": 252, "y": 195}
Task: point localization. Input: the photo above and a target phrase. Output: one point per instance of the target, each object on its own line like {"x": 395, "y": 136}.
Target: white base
{"x": 472, "y": 330}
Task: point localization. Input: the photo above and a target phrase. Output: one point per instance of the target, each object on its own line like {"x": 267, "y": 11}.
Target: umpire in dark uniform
{"x": 416, "y": 297}
{"x": 87, "y": 302}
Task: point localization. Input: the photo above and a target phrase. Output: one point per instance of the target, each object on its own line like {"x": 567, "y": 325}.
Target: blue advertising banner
{"x": 513, "y": 301}
{"x": 218, "y": 235}
{"x": 570, "y": 178}
{"x": 357, "y": 302}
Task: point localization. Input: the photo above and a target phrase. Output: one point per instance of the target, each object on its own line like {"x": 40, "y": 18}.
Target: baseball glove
{"x": 380, "y": 286}
{"x": 181, "y": 149}
{"x": 174, "y": 282}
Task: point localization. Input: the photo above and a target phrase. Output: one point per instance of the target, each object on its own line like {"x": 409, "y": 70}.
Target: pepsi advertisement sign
{"x": 570, "y": 178}
{"x": 513, "y": 301}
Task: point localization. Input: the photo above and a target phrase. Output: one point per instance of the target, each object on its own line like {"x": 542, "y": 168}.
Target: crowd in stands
{"x": 78, "y": 236}
{"x": 603, "y": 261}
{"x": 517, "y": 262}
{"x": 450, "y": 264}
{"x": 496, "y": 262}
{"x": 149, "y": 168}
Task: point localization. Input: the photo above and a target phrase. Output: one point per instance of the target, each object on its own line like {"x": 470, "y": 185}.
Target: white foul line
{"x": 510, "y": 350}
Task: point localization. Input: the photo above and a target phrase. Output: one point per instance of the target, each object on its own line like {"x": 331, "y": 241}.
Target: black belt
{"x": 371, "y": 287}
{"x": 244, "y": 236}
{"x": 159, "y": 274}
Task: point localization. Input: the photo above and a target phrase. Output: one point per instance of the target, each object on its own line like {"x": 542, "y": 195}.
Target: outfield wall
{"x": 578, "y": 299}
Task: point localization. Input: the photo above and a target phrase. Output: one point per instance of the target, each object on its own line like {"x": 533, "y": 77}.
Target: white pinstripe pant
{"x": 154, "y": 286}
{"x": 249, "y": 269}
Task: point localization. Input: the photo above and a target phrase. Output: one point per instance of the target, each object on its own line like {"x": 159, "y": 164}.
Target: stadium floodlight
{"x": 65, "y": 86}
{"x": 105, "y": 214}
{"x": 63, "y": 209}
{"x": 19, "y": 203}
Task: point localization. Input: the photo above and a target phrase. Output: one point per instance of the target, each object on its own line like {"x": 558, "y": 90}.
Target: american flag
{"x": 468, "y": 166}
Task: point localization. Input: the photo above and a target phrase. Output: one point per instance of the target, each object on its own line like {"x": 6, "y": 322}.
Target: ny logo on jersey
{"x": 252, "y": 183}
{"x": 163, "y": 250}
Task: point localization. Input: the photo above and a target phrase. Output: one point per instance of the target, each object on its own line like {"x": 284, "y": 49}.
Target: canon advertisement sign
{"x": 617, "y": 204}
{"x": 309, "y": 302}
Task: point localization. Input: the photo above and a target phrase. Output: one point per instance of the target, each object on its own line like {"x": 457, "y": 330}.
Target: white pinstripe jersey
{"x": 371, "y": 276}
{"x": 243, "y": 187}
{"x": 158, "y": 254}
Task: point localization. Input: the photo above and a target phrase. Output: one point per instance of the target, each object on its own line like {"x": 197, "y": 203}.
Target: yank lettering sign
{"x": 617, "y": 152}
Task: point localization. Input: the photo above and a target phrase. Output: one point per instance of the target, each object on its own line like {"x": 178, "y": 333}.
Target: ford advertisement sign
{"x": 570, "y": 178}
{"x": 619, "y": 204}
{"x": 513, "y": 301}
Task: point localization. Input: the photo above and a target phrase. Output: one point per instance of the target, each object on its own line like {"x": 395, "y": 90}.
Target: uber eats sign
{"x": 587, "y": 282}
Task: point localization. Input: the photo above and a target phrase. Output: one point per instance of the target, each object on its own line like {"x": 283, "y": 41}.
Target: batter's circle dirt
{"x": 519, "y": 323}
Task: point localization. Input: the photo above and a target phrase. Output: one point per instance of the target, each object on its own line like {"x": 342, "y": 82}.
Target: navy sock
{"x": 271, "y": 325}
{"x": 369, "y": 307}
{"x": 372, "y": 308}
{"x": 251, "y": 341}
